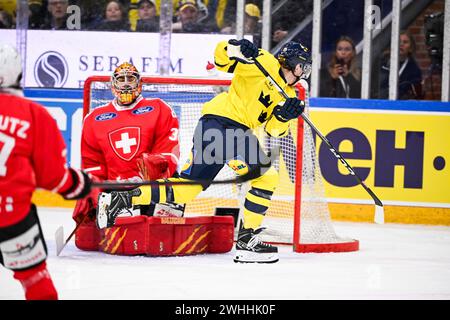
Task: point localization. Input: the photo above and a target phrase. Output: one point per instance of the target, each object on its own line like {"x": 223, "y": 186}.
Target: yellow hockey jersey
{"x": 251, "y": 98}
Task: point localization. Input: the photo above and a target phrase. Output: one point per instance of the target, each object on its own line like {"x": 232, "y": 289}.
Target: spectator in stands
{"x": 6, "y": 20}
{"x": 7, "y": 14}
{"x": 410, "y": 75}
{"x": 252, "y": 16}
{"x": 57, "y": 20}
{"x": 189, "y": 18}
{"x": 115, "y": 18}
{"x": 148, "y": 21}
{"x": 38, "y": 11}
{"x": 341, "y": 78}
{"x": 251, "y": 24}
{"x": 288, "y": 17}
{"x": 133, "y": 12}
{"x": 91, "y": 15}
{"x": 218, "y": 11}
{"x": 280, "y": 32}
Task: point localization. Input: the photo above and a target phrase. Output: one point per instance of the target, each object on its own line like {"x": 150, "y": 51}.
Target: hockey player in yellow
{"x": 227, "y": 122}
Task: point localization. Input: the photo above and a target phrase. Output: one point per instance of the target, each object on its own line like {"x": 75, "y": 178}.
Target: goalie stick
{"x": 379, "y": 210}
{"x": 59, "y": 236}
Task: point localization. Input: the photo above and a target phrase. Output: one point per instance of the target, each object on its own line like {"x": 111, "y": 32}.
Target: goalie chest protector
{"x": 159, "y": 236}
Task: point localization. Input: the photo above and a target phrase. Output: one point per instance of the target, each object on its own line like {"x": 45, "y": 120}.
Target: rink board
{"x": 377, "y": 138}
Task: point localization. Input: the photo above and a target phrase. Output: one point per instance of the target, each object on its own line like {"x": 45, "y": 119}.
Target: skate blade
{"x": 104, "y": 201}
{"x": 252, "y": 257}
{"x": 267, "y": 262}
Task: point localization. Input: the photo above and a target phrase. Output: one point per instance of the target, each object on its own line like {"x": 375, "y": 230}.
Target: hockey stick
{"x": 59, "y": 236}
{"x": 379, "y": 210}
{"x": 252, "y": 174}
{"x": 107, "y": 184}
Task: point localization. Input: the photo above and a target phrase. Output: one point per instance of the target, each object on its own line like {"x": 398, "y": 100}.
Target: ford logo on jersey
{"x": 106, "y": 116}
{"x": 142, "y": 110}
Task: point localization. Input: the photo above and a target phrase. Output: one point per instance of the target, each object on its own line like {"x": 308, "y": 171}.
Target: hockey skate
{"x": 250, "y": 248}
{"x": 111, "y": 205}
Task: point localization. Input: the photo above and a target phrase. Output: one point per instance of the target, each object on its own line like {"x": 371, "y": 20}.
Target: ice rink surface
{"x": 394, "y": 262}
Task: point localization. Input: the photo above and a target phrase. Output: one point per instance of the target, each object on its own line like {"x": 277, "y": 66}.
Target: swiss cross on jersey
{"x": 125, "y": 142}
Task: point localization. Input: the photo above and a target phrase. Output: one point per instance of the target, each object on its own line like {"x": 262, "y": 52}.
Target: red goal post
{"x": 299, "y": 212}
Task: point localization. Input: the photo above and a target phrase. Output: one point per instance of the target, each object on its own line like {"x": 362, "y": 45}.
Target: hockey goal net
{"x": 298, "y": 213}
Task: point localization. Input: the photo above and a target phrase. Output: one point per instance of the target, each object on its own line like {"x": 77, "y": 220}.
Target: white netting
{"x": 187, "y": 101}
{"x": 315, "y": 221}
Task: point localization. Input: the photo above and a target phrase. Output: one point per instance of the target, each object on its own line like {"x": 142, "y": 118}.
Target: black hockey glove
{"x": 248, "y": 48}
{"x": 291, "y": 109}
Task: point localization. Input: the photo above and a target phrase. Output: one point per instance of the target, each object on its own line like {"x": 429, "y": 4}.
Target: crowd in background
{"x": 340, "y": 74}
{"x": 341, "y": 77}
{"x": 216, "y": 16}
{"x": 190, "y": 16}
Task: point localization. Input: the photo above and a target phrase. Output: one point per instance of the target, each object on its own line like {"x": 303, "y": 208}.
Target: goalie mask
{"x": 126, "y": 83}
{"x": 295, "y": 57}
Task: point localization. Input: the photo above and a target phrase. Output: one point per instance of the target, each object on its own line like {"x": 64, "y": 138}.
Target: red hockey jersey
{"x": 32, "y": 155}
{"x": 113, "y": 138}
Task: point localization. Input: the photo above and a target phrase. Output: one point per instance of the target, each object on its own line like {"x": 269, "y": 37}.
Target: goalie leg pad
{"x": 22, "y": 245}
{"x": 190, "y": 236}
{"x": 168, "y": 236}
{"x": 87, "y": 237}
{"x": 128, "y": 236}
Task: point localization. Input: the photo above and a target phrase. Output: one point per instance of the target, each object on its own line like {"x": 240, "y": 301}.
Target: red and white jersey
{"x": 113, "y": 138}
{"x": 32, "y": 155}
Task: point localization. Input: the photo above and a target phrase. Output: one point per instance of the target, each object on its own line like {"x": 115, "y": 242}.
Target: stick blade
{"x": 379, "y": 214}
{"x": 59, "y": 239}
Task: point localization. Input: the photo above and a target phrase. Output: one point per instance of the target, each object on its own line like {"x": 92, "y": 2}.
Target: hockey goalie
{"x": 133, "y": 139}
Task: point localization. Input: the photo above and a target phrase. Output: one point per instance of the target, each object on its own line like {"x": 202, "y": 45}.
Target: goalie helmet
{"x": 126, "y": 83}
{"x": 293, "y": 54}
{"x": 10, "y": 67}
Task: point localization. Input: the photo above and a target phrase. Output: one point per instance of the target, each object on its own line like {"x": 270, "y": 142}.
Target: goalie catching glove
{"x": 291, "y": 109}
{"x": 153, "y": 166}
{"x": 242, "y": 50}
